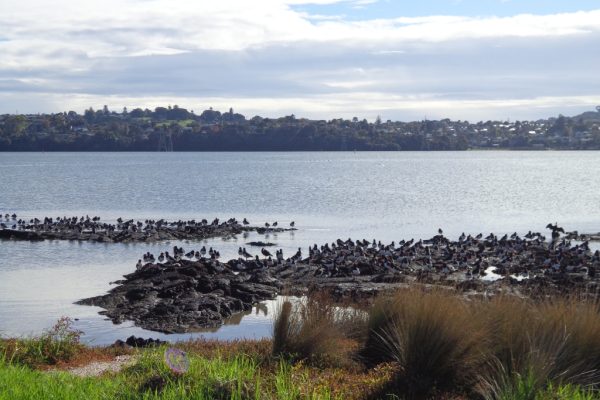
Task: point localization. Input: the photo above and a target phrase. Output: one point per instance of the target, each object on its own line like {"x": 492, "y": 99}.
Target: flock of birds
{"x": 93, "y": 224}
{"x": 475, "y": 256}
{"x": 470, "y": 257}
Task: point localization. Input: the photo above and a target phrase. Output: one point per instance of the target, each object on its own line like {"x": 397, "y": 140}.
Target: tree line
{"x": 178, "y": 129}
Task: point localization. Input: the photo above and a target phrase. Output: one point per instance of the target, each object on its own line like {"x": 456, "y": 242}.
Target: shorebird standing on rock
{"x": 265, "y": 252}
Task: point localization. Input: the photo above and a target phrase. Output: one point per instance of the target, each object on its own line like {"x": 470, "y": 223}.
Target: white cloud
{"x": 63, "y": 53}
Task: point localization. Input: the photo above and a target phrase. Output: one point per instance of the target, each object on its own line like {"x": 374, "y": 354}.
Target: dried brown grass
{"x": 316, "y": 330}
{"x": 432, "y": 337}
{"x": 553, "y": 341}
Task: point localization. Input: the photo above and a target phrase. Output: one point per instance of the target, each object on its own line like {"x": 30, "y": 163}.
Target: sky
{"x": 323, "y": 59}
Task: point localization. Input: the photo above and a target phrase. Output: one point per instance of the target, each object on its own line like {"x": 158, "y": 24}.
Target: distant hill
{"x": 588, "y": 116}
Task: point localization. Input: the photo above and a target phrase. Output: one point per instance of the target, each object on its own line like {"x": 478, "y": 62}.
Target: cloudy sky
{"x": 401, "y": 59}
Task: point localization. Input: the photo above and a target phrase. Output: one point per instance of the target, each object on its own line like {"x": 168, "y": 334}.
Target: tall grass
{"x": 542, "y": 343}
{"x": 316, "y": 330}
{"x": 432, "y": 338}
{"x": 503, "y": 348}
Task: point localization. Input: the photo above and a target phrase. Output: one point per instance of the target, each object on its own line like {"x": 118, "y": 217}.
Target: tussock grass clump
{"x": 432, "y": 337}
{"x": 316, "y": 330}
{"x": 537, "y": 344}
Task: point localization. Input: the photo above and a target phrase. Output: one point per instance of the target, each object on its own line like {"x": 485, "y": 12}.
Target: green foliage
{"x": 238, "y": 378}
{"x": 21, "y": 383}
{"x": 525, "y": 388}
{"x": 60, "y": 343}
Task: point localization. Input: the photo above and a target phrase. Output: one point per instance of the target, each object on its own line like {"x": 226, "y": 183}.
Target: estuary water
{"x": 383, "y": 196}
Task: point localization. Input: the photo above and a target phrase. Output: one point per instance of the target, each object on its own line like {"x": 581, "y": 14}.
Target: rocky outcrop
{"x": 184, "y": 296}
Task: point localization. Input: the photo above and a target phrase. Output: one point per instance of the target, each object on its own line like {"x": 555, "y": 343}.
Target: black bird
{"x": 245, "y": 221}
{"x": 292, "y": 224}
{"x": 265, "y": 252}
{"x": 440, "y": 231}
{"x": 298, "y": 255}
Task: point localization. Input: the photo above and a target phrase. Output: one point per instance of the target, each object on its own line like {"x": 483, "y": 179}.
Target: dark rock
{"x": 184, "y": 296}
{"x": 129, "y": 231}
{"x": 134, "y": 341}
{"x": 261, "y": 244}
{"x": 120, "y": 344}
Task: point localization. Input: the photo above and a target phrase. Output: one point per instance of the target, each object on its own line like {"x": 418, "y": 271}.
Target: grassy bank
{"x": 415, "y": 345}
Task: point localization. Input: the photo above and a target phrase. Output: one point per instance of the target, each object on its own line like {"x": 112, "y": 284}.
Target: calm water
{"x": 388, "y": 196}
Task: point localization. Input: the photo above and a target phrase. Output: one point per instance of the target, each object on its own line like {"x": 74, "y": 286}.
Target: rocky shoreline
{"x": 183, "y": 295}
{"x": 124, "y": 231}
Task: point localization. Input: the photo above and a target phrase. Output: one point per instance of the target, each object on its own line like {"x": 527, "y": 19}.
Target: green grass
{"x": 237, "y": 378}
{"x": 60, "y": 343}
{"x": 21, "y": 383}
{"x": 524, "y": 388}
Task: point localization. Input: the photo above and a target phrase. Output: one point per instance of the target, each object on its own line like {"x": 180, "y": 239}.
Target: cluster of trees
{"x": 176, "y": 128}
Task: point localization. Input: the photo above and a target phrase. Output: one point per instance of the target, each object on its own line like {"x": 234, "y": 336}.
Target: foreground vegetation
{"x": 414, "y": 345}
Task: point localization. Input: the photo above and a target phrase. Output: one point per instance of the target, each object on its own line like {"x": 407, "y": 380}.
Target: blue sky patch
{"x": 373, "y": 9}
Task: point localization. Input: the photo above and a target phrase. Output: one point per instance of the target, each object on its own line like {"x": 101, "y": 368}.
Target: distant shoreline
{"x": 309, "y": 151}
{"x": 177, "y": 129}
